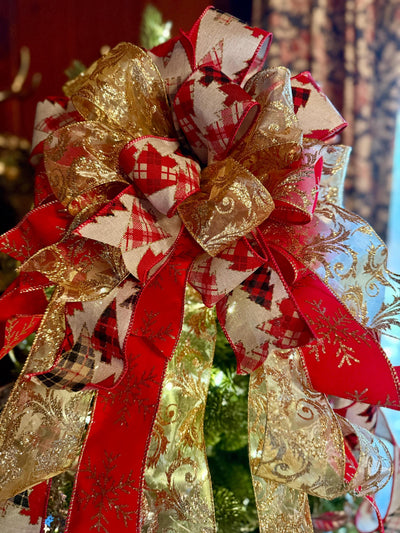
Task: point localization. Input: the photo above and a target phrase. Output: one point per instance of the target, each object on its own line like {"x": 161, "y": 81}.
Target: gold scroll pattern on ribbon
{"x": 302, "y": 448}
{"x": 41, "y": 429}
{"x": 124, "y": 91}
{"x": 178, "y": 493}
{"x": 333, "y": 245}
{"x": 231, "y": 204}
{"x": 281, "y": 509}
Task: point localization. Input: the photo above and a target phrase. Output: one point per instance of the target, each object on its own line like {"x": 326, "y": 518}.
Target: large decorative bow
{"x": 190, "y": 164}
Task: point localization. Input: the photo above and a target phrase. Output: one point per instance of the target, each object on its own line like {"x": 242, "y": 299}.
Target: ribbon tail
{"x": 177, "y": 490}
{"x": 304, "y": 442}
{"x": 109, "y": 483}
{"x": 280, "y": 508}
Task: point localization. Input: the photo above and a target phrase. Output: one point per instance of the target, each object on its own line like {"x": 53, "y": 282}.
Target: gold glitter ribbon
{"x": 41, "y": 429}
{"x": 301, "y": 450}
{"x": 178, "y": 494}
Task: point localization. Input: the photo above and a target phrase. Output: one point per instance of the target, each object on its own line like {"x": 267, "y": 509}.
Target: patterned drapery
{"x": 352, "y": 48}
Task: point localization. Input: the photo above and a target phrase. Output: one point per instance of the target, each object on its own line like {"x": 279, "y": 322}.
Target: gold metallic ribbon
{"x": 300, "y": 450}
{"x": 178, "y": 493}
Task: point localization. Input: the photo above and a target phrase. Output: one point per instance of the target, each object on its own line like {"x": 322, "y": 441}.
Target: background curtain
{"x": 352, "y": 48}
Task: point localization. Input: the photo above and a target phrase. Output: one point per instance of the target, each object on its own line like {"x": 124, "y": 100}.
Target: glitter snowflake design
{"x": 107, "y": 490}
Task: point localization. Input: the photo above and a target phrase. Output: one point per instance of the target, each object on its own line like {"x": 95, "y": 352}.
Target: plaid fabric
{"x": 51, "y": 115}
{"x": 248, "y": 361}
{"x": 154, "y": 171}
{"x": 262, "y": 304}
{"x": 204, "y": 281}
{"x": 241, "y": 257}
{"x": 105, "y": 335}
{"x": 188, "y": 180}
{"x": 68, "y": 341}
{"x": 224, "y": 106}
{"x": 290, "y": 330}
{"x": 156, "y": 165}
{"x": 142, "y": 228}
{"x": 130, "y": 302}
{"x": 310, "y": 123}
{"x": 259, "y": 287}
{"x": 95, "y": 359}
{"x": 185, "y": 117}
{"x": 214, "y": 56}
{"x": 210, "y": 74}
{"x": 221, "y": 132}
{"x": 300, "y": 97}
{"x": 209, "y": 38}
{"x": 249, "y": 355}
{"x": 74, "y": 369}
{"x": 216, "y": 277}
{"x": 22, "y": 499}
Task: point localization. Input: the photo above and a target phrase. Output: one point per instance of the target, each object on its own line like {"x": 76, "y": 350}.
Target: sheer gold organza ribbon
{"x": 297, "y": 447}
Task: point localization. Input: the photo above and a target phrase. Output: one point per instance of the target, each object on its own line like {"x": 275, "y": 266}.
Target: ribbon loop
{"x": 216, "y": 39}
{"x": 139, "y": 109}
{"x": 91, "y": 354}
{"x": 309, "y": 97}
{"x": 231, "y": 204}
{"x": 88, "y": 151}
{"x": 142, "y": 235}
{"x": 213, "y": 113}
{"x": 164, "y": 176}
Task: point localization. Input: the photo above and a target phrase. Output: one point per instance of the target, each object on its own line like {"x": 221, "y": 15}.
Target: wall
{"x": 59, "y": 32}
